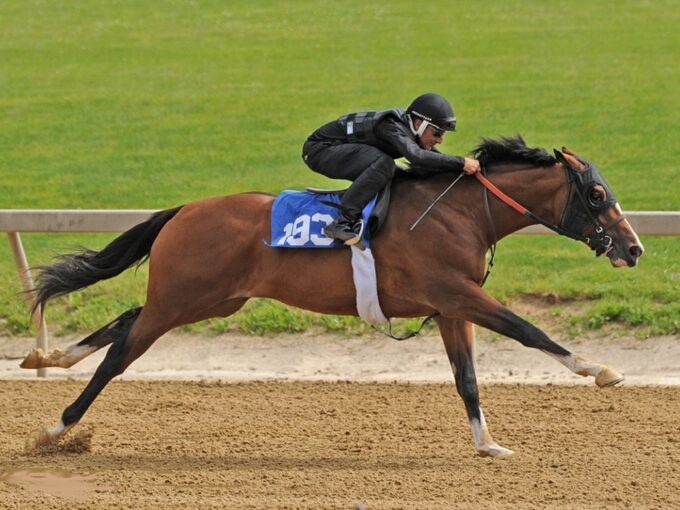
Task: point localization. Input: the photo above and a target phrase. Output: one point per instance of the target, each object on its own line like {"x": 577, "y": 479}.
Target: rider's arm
{"x": 403, "y": 141}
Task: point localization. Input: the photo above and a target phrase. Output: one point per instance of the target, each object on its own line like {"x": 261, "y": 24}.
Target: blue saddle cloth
{"x": 298, "y": 219}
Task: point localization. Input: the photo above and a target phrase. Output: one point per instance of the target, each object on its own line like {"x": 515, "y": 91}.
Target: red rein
{"x": 502, "y": 196}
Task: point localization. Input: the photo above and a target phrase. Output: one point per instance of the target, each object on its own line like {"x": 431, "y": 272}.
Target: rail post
{"x": 27, "y": 283}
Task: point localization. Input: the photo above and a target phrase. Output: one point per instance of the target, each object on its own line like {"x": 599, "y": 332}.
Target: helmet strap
{"x": 421, "y": 129}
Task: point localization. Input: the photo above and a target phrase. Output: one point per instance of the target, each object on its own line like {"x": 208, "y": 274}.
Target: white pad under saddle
{"x": 365, "y": 283}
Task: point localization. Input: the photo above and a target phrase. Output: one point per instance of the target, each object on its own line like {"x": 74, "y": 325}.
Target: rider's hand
{"x": 471, "y": 166}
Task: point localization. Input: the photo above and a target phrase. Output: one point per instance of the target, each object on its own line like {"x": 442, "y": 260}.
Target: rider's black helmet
{"x": 434, "y": 109}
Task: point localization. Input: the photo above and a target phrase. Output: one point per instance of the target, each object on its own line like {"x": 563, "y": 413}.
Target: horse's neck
{"x": 542, "y": 190}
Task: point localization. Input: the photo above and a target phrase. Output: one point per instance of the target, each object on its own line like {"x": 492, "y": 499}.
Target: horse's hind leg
{"x": 73, "y": 353}
{"x": 127, "y": 347}
{"x": 458, "y": 337}
{"x": 131, "y": 343}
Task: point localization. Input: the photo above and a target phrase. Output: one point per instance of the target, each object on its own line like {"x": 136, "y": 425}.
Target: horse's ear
{"x": 560, "y": 158}
{"x": 570, "y": 159}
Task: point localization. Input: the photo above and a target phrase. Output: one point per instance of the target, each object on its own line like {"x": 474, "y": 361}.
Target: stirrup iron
{"x": 354, "y": 240}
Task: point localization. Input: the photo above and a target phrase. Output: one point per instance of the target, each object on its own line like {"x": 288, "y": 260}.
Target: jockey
{"x": 362, "y": 147}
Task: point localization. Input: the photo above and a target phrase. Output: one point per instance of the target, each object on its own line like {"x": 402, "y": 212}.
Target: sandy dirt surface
{"x": 341, "y": 445}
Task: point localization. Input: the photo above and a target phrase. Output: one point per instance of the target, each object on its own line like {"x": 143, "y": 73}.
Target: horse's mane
{"x": 511, "y": 149}
{"x": 508, "y": 149}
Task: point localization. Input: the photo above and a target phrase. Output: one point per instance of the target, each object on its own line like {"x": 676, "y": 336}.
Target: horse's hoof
{"x": 33, "y": 359}
{"x": 608, "y": 377}
{"x": 39, "y": 439}
{"x": 494, "y": 450}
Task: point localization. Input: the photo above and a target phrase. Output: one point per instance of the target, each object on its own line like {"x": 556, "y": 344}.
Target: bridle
{"x": 573, "y": 219}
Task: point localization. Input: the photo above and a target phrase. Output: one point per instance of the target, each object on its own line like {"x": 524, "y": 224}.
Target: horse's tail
{"x": 80, "y": 270}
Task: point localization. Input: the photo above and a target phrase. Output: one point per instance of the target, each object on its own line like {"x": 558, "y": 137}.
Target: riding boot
{"x": 344, "y": 229}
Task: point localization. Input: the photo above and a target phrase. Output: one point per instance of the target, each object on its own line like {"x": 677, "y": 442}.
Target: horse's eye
{"x": 596, "y": 196}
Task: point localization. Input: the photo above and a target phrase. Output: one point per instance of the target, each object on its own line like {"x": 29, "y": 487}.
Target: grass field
{"x": 151, "y": 104}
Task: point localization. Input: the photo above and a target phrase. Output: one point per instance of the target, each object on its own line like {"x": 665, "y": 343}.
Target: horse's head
{"x": 593, "y": 214}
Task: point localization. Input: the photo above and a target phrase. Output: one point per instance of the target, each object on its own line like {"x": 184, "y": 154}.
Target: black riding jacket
{"x": 389, "y": 131}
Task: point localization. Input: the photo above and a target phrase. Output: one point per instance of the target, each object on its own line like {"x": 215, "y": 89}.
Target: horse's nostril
{"x": 635, "y": 251}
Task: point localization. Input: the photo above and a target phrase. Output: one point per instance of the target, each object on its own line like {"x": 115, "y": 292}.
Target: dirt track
{"x": 321, "y": 445}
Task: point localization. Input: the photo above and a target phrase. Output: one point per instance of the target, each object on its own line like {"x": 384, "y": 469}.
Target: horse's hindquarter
{"x": 197, "y": 253}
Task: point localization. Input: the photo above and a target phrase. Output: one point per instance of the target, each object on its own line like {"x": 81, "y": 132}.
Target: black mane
{"x": 511, "y": 149}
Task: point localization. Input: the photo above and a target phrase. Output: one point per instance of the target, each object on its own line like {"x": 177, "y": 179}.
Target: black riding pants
{"x": 369, "y": 167}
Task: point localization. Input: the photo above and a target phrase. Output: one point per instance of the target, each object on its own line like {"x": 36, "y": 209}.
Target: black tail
{"x": 81, "y": 270}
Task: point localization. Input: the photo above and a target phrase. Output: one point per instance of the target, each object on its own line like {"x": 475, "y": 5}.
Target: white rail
{"x": 14, "y": 221}
{"x": 71, "y": 220}
{"x": 645, "y": 223}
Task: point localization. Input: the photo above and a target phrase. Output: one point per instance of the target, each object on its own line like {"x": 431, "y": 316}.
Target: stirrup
{"x": 354, "y": 240}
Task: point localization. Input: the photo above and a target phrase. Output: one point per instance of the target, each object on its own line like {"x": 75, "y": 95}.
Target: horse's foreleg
{"x": 458, "y": 337}
{"x": 73, "y": 353}
{"x": 484, "y": 310}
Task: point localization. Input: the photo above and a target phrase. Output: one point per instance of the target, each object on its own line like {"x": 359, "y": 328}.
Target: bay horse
{"x": 208, "y": 258}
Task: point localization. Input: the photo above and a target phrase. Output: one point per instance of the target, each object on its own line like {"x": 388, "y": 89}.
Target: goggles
{"x": 436, "y": 130}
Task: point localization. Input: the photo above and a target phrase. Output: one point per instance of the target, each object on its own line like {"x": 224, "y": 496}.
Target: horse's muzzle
{"x": 625, "y": 256}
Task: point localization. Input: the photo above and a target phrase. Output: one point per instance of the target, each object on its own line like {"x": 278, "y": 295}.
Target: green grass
{"x": 133, "y": 104}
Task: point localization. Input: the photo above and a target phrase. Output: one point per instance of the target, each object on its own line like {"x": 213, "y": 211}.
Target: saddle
{"x": 379, "y": 213}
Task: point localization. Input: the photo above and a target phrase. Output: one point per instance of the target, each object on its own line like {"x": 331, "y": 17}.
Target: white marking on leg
{"x": 74, "y": 353}
{"x": 485, "y": 445}
{"x": 480, "y": 434}
{"x": 58, "y": 429}
{"x": 576, "y": 364}
{"x": 604, "y": 376}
